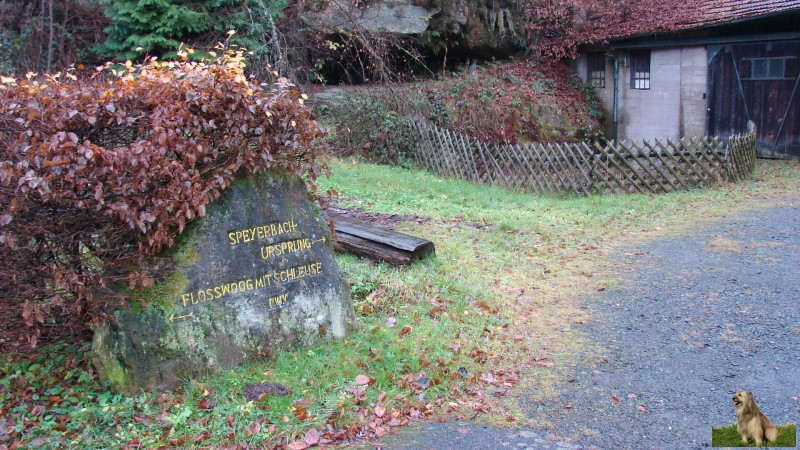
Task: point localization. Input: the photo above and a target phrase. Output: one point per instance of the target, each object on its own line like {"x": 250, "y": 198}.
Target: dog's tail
{"x": 771, "y": 432}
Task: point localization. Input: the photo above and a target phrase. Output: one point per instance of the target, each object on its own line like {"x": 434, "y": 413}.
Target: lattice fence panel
{"x": 624, "y": 167}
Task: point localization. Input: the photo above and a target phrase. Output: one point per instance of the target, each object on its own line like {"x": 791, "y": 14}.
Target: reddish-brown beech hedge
{"x": 101, "y": 172}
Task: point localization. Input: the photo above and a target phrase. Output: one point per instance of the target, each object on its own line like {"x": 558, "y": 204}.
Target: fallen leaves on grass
{"x": 205, "y": 404}
{"x": 360, "y": 395}
{"x": 258, "y": 391}
{"x": 305, "y": 401}
{"x": 506, "y": 379}
{"x": 542, "y": 361}
{"x": 312, "y": 437}
{"x": 363, "y": 380}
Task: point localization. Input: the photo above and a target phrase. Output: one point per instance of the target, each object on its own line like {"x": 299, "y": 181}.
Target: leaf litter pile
{"x": 57, "y": 403}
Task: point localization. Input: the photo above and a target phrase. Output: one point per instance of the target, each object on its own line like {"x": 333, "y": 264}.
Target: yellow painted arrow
{"x": 173, "y": 317}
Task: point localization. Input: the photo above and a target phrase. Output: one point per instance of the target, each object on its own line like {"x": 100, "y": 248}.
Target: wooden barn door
{"x": 758, "y": 82}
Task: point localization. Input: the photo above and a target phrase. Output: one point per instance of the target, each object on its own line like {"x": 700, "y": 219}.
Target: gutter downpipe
{"x": 616, "y": 95}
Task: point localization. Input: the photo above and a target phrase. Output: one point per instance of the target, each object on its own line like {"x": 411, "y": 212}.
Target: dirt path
{"x": 702, "y": 315}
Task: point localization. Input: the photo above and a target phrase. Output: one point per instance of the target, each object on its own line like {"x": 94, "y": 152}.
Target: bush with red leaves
{"x": 99, "y": 174}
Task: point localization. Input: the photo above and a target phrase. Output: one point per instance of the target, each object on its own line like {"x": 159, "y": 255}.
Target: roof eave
{"x": 663, "y": 43}
{"x": 669, "y": 35}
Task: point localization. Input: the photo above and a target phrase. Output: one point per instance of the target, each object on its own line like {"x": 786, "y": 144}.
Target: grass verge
{"x": 729, "y": 437}
{"x": 456, "y": 335}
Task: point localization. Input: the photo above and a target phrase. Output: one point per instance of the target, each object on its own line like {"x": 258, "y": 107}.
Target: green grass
{"x": 451, "y": 336}
{"x": 729, "y": 437}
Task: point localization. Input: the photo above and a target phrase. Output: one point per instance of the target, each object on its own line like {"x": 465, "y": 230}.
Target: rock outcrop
{"x": 255, "y": 276}
{"x": 481, "y": 27}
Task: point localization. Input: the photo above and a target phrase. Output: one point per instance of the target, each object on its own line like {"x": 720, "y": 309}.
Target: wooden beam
{"x": 378, "y": 244}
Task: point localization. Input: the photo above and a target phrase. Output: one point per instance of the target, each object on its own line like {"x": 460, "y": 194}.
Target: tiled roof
{"x": 646, "y": 17}
{"x": 711, "y": 12}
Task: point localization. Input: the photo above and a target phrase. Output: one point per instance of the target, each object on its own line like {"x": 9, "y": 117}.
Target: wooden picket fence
{"x": 624, "y": 167}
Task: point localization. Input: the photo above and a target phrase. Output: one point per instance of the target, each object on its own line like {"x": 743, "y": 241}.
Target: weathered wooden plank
{"x": 688, "y": 160}
{"x": 706, "y": 153}
{"x": 516, "y": 167}
{"x": 736, "y": 158}
{"x": 572, "y": 163}
{"x": 456, "y": 165}
{"x": 490, "y": 162}
{"x": 469, "y": 157}
{"x": 643, "y": 176}
{"x": 603, "y": 158}
{"x": 565, "y": 167}
{"x": 642, "y": 157}
{"x": 539, "y": 181}
{"x": 742, "y": 151}
{"x": 379, "y": 244}
{"x": 438, "y": 151}
{"x": 555, "y": 176}
{"x": 422, "y": 145}
{"x": 458, "y": 157}
{"x": 428, "y": 155}
{"x": 500, "y": 159}
{"x": 497, "y": 156}
{"x": 615, "y": 155}
{"x": 751, "y": 151}
{"x": 527, "y": 172}
{"x": 545, "y": 168}
{"x": 670, "y": 163}
{"x": 659, "y": 165}
{"x": 708, "y": 165}
{"x": 433, "y": 155}
{"x": 578, "y": 152}
{"x": 486, "y": 167}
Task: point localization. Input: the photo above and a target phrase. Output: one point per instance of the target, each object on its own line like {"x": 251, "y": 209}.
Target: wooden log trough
{"x": 378, "y": 244}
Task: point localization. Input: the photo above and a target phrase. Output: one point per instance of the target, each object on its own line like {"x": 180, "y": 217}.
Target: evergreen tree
{"x": 158, "y": 27}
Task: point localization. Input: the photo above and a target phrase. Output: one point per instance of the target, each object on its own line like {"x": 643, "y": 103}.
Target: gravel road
{"x": 701, "y": 316}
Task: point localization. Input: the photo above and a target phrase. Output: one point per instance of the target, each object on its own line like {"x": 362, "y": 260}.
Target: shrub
{"x": 100, "y": 174}
{"x": 373, "y": 124}
{"x": 516, "y": 102}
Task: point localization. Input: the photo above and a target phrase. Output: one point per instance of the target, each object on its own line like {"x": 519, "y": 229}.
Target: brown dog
{"x": 752, "y": 423}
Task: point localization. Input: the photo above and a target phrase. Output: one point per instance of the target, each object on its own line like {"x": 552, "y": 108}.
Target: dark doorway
{"x": 758, "y": 82}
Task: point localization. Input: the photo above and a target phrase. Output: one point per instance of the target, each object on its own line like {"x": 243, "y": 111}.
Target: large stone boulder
{"x": 400, "y": 17}
{"x": 481, "y": 28}
{"x": 255, "y": 276}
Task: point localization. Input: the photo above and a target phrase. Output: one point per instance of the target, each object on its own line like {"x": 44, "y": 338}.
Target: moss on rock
{"x": 226, "y": 301}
